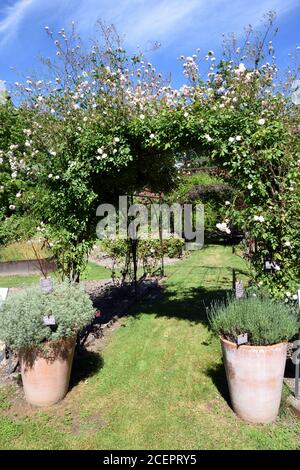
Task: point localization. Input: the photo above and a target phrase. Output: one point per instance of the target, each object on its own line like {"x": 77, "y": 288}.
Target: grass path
{"x": 159, "y": 382}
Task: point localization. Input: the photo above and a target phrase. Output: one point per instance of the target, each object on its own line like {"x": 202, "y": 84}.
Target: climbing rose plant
{"x": 250, "y": 126}
{"x": 107, "y": 123}
{"x": 13, "y": 168}
{"x": 83, "y": 148}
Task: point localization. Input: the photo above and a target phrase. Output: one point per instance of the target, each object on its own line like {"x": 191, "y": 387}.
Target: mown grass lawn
{"x": 93, "y": 272}
{"x": 159, "y": 382}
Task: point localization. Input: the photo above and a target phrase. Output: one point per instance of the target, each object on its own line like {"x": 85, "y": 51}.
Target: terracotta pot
{"x": 46, "y": 374}
{"x": 255, "y": 377}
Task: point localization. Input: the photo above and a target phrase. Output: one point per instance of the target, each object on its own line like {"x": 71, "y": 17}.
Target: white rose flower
{"x": 227, "y": 203}
{"x": 12, "y": 207}
{"x": 13, "y": 147}
{"x": 238, "y": 138}
{"x": 223, "y": 227}
{"x": 208, "y": 137}
{"x": 250, "y": 186}
{"x": 287, "y": 243}
{"x": 261, "y": 121}
{"x": 231, "y": 139}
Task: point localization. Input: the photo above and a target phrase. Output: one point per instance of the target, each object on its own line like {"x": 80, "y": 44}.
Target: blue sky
{"x": 179, "y": 25}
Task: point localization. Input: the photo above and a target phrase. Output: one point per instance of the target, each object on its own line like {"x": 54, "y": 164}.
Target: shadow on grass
{"x": 289, "y": 372}
{"x": 193, "y": 303}
{"x": 218, "y": 376}
{"x": 85, "y": 365}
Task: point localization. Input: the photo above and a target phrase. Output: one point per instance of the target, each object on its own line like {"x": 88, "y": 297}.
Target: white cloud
{"x": 182, "y": 21}
{"x": 162, "y": 19}
{"x": 138, "y": 20}
{"x": 170, "y": 21}
{"x": 12, "y": 17}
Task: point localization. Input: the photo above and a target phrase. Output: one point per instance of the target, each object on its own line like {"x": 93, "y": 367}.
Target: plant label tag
{"x": 49, "y": 320}
{"x": 242, "y": 339}
{"x": 239, "y": 290}
{"x": 3, "y": 294}
{"x": 46, "y": 285}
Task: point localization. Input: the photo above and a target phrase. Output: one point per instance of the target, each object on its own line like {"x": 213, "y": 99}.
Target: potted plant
{"x": 42, "y": 328}
{"x": 255, "y": 369}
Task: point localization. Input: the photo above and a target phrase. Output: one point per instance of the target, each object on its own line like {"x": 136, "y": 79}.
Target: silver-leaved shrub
{"x": 22, "y": 315}
{"x": 265, "y": 321}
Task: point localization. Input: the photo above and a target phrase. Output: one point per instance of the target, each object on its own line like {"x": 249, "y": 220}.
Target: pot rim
{"x": 70, "y": 340}
{"x": 248, "y": 346}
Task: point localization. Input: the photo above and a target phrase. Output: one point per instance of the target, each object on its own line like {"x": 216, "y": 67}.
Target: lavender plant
{"x": 22, "y": 315}
{"x": 265, "y": 321}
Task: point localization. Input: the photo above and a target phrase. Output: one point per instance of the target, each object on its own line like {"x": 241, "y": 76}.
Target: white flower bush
{"x": 107, "y": 123}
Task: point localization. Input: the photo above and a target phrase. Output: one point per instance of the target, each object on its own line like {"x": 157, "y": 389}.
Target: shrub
{"x": 21, "y": 316}
{"x": 203, "y": 188}
{"x": 171, "y": 247}
{"x": 265, "y": 321}
{"x": 149, "y": 254}
{"x": 17, "y": 228}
